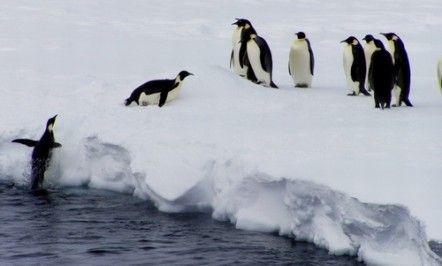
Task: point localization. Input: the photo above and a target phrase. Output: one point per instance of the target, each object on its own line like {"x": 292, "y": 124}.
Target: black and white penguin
{"x": 381, "y": 75}
{"x": 354, "y": 66}
{"x": 258, "y": 56}
{"x": 158, "y": 91}
{"x": 235, "y": 60}
{"x": 401, "y": 69}
{"x": 41, "y": 155}
{"x": 369, "y": 48}
{"x": 301, "y": 61}
{"x": 439, "y": 74}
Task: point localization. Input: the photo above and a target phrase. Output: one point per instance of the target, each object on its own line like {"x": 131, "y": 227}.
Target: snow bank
{"x": 251, "y": 200}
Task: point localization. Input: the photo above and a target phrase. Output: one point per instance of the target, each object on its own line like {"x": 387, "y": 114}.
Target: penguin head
{"x": 368, "y": 38}
{"x": 379, "y": 45}
{"x": 183, "y": 74}
{"x": 391, "y": 36}
{"x": 300, "y": 35}
{"x": 351, "y": 41}
{"x": 242, "y": 22}
{"x": 50, "y": 123}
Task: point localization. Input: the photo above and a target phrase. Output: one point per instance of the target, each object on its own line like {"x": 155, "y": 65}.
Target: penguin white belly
{"x": 236, "y": 38}
{"x": 368, "y": 52}
{"x": 439, "y": 73}
{"x": 242, "y": 71}
{"x": 154, "y": 98}
{"x": 173, "y": 94}
{"x": 149, "y": 99}
{"x": 300, "y": 65}
{"x": 348, "y": 62}
{"x": 254, "y": 53}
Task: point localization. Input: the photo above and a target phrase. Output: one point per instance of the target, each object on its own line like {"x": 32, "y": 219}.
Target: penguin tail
{"x": 407, "y": 102}
{"x": 273, "y": 85}
{"x": 364, "y": 91}
{"x": 128, "y": 101}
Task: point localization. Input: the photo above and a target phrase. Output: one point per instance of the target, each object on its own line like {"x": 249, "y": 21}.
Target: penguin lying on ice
{"x": 158, "y": 91}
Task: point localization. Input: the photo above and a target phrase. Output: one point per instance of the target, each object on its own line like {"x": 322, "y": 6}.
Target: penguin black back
{"x": 401, "y": 68}
{"x": 41, "y": 155}
{"x": 381, "y": 75}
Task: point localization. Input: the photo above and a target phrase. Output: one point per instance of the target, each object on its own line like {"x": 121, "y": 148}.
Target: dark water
{"x": 84, "y": 226}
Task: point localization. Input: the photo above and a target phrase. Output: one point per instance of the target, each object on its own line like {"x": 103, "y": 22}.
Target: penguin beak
{"x": 385, "y": 34}
{"x": 55, "y": 116}
{"x": 343, "y": 41}
{"x": 235, "y": 23}
{"x": 191, "y": 74}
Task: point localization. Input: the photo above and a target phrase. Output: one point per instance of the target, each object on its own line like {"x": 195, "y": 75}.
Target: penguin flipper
{"x": 312, "y": 58}
{"x": 242, "y": 54}
{"x": 231, "y": 59}
{"x": 27, "y": 142}
{"x": 265, "y": 56}
{"x": 163, "y": 98}
{"x": 250, "y": 74}
{"x": 56, "y": 145}
{"x": 290, "y": 72}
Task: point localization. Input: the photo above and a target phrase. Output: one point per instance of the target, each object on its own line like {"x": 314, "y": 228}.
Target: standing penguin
{"x": 158, "y": 91}
{"x": 238, "y": 67}
{"x": 301, "y": 61}
{"x": 401, "y": 69}
{"x": 369, "y": 48}
{"x": 439, "y": 74}
{"x": 354, "y": 66}
{"x": 258, "y": 55}
{"x": 381, "y": 75}
{"x": 41, "y": 155}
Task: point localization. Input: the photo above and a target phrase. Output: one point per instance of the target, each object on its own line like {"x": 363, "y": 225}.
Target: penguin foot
{"x": 352, "y": 94}
{"x": 407, "y": 103}
{"x": 366, "y": 93}
{"x": 301, "y": 85}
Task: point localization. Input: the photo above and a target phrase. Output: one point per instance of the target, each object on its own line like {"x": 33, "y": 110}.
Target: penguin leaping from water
{"x": 381, "y": 75}
{"x": 354, "y": 66}
{"x": 158, "y": 91}
{"x": 235, "y": 60}
{"x": 401, "y": 69}
{"x": 301, "y": 61}
{"x": 258, "y": 56}
{"x": 42, "y": 153}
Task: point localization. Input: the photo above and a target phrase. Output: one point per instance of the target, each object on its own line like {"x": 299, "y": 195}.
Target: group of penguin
{"x": 373, "y": 67}
{"x": 251, "y": 58}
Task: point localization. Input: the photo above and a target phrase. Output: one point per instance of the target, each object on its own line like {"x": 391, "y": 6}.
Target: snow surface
{"x": 265, "y": 159}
